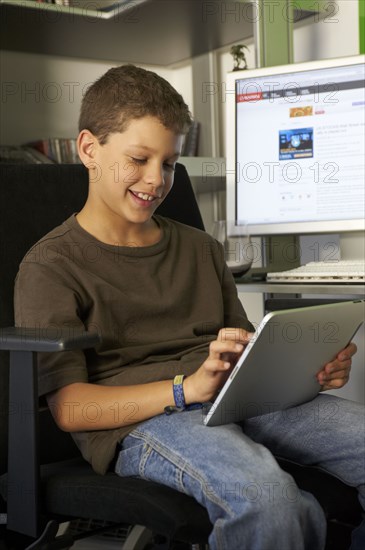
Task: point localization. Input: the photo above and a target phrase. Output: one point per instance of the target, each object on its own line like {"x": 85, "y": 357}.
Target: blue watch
{"x": 179, "y": 397}
{"x": 178, "y": 390}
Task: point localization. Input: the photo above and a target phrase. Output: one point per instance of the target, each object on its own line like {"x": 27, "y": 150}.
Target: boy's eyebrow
{"x": 141, "y": 146}
{"x": 151, "y": 149}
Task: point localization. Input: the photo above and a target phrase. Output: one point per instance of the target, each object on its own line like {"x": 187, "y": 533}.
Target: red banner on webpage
{"x": 255, "y": 96}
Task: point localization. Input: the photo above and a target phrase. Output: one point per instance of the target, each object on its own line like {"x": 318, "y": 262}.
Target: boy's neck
{"x": 119, "y": 233}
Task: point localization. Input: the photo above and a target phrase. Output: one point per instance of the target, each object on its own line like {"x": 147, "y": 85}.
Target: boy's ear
{"x": 87, "y": 145}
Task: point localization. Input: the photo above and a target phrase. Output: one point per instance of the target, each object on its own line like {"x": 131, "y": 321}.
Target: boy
{"x": 161, "y": 312}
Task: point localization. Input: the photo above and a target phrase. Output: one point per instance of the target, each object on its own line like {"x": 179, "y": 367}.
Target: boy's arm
{"x": 84, "y": 406}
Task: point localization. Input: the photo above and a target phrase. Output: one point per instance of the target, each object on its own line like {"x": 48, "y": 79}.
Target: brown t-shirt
{"x": 156, "y": 309}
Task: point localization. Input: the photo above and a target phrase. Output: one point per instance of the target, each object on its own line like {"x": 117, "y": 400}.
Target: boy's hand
{"x": 203, "y": 385}
{"x": 336, "y": 373}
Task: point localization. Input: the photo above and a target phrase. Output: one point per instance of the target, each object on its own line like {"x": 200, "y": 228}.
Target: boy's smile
{"x": 130, "y": 175}
{"x": 144, "y": 196}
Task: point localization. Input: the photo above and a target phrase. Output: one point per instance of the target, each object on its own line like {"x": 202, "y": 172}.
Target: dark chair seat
{"x": 340, "y": 502}
{"x": 67, "y": 485}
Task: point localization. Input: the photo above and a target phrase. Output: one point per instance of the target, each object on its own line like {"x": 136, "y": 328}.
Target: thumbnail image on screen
{"x": 296, "y": 144}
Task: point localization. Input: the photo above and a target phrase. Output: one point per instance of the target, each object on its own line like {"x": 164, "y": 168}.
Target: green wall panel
{"x": 362, "y": 25}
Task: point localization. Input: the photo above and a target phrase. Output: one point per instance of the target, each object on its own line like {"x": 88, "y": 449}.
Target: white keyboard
{"x": 341, "y": 271}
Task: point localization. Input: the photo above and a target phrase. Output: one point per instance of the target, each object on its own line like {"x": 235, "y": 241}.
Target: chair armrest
{"x": 23, "y": 448}
{"x": 50, "y": 340}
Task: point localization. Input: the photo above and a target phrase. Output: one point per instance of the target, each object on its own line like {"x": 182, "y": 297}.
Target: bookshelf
{"x": 151, "y": 32}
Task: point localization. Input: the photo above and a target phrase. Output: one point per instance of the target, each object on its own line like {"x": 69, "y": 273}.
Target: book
{"x": 14, "y": 154}
{"x": 101, "y": 5}
{"x": 190, "y": 147}
{"x": 59, "y": 150}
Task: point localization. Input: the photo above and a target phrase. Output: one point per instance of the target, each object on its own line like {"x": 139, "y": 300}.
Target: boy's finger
{"x": 348, "y": 352}
{"x": 234, "y": 335}
{"x": 215, "y": 365}
{"x": 337, "y": 366}
{"x": 216, "y": 348}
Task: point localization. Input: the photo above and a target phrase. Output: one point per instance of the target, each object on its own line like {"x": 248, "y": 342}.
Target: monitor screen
{"x": 295, "y": 148}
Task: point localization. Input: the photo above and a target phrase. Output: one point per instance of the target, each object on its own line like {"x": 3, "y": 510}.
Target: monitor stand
{"x": 332, "y": 247}
{"x": 274, "y": 253}
{"x": 353, "y": 246}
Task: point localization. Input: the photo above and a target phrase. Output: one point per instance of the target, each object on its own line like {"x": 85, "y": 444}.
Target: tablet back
{"x": 278, "y": 368}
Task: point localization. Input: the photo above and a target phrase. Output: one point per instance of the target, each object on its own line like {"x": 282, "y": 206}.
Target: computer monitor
{"x": 295, "y": 148}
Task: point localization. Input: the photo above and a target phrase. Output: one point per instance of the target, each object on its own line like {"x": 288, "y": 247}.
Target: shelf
{"x": 152, "y": 32}
{"x": 100, "y": 9}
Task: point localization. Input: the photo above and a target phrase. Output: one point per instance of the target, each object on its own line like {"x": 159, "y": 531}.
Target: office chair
{"x": 34, "y": 199}
{"x": 44, "y": 481}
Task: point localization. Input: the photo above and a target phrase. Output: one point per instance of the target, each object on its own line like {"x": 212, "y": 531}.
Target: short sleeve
{"x": 45, "y": 301}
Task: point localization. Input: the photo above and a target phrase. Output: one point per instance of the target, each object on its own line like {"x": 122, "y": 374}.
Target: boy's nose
{"x": 154, "y": 176}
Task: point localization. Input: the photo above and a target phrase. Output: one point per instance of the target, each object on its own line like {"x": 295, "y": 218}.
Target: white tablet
{"x": 278, "y": 368}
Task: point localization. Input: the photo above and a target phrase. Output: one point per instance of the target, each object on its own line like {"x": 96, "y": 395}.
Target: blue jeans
{"x": 230, "y": 470}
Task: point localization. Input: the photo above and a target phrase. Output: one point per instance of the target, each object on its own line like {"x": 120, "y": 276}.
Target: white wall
{"x": 41, "y": 94}
{"x": 337, "y": 35}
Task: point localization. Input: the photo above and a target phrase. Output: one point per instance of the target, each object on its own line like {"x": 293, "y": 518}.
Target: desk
{"x": 341, "y": 290}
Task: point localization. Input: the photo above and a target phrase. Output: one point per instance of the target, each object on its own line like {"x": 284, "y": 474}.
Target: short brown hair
{"x": 129, "y": 92}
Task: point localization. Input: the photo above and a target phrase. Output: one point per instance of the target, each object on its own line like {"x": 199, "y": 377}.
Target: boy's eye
{"x": 170, "y": 167}
{"x": 141, "y": 161}
{"x": 138, "y": 161}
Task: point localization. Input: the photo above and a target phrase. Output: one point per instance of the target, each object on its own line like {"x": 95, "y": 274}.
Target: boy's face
{"x": 135, "y": 170}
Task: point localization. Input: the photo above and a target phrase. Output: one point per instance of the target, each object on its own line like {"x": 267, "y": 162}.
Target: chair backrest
{"x": 33, "y": 200}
